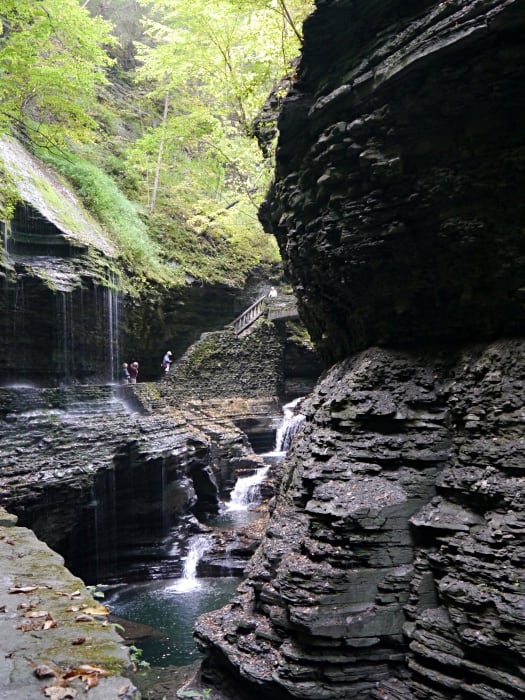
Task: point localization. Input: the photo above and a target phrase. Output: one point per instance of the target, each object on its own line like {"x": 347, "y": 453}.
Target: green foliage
{"x": 171, "y": 169}
{"x": 202, "y": 352}
{"x": 117, "y": 213}
{"x": 52, "y": 65}
{"x": 196, "y": 694}
{"x": 95, "y": 592}
{"x": 136, "y": 657}
{"x": 210, "y": 66}
{"x": 9, "y": 195}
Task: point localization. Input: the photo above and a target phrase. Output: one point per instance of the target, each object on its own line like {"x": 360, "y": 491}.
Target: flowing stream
{"x": 170, "y": 606}
{"x": 247, "y": 490}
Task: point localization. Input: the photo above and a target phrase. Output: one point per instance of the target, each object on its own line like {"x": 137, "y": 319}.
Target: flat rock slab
{"x": 50, "y": 626}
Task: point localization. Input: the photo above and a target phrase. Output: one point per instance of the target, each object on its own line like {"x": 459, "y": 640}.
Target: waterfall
{"x": 247, "y": 490}
{"x": 197, "y": 547}
{"x": 289, "y": 427}
{"x": 111, "y": 308}
{"x": 65, "y": 335}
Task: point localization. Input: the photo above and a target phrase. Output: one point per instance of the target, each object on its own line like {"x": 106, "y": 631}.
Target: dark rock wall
{"x": 398, "y": 200}
{"x": 103, "y": 484}
{"x": 394, "y": 559}
{"x": 264, "y": 361}
{"x": 174, "y": 319}
{"x": 393, "y": 564}
{"x": 52, "y": 335}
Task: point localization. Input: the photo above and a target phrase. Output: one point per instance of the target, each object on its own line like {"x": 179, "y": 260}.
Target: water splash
{"x": 247, "y": 490}
{"x": 197, "y": 547}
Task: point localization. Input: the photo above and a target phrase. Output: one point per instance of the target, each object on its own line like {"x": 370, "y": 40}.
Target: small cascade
{"x": 289, "y": 427}
{"x": 197, "y": 547}
{"x": 247, "y": 490}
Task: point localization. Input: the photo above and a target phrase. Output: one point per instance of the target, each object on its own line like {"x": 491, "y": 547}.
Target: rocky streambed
{"x": 114, "y": 478}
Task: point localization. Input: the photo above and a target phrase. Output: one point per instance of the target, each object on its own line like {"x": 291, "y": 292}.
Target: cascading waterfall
{"x": 247, "y": 490}
{"x": 289, "y": 427}
{"x": 197, "y": 547}
{"x": 65, "y": 325}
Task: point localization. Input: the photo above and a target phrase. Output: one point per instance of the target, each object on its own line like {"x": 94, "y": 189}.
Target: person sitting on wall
{"x": 166, "y": 362}
{"x": 123, "y": 375}
{"x": 133, "y": 372}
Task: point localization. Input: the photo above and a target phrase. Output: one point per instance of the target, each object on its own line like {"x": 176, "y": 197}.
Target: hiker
{"x": 123, "y": 375}
{"x": 133, "y": 372}
{"x": 166, "y": 362}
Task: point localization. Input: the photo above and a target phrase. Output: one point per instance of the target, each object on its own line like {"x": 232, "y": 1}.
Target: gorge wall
{"x": 393, "y": 565}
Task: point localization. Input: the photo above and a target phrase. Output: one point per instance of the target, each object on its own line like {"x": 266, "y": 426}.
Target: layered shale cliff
{"x": 393, "y": 565}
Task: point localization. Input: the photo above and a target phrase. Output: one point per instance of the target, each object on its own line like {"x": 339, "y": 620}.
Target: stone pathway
{"x": 55, "y": 641}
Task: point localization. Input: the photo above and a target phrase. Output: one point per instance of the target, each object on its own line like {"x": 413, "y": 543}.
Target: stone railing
{"x": 283, "y": 311}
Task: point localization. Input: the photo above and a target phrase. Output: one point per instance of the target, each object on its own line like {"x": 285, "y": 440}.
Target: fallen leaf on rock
{"x": 57, "y": 693}
{"x": 89, "y": 668}
{"x": 84, "y": 618}
{"x": 75, "y": 594}
{"x": 87, "y": 673}
{"x": 50, "y": 623}
{"x": 97, "y": 610}
{"x": 30, "y": 626}
{"x": 44, "y": 671}
{"x": 78, "y": 641}
{"x": 91, "y": 681}
{"x": 123, "y": 691}
{"x": 24, "y": 589}
{"x": 73, "y": 608}
{"x": 36, "y": 624}
{"x": 36, "y": 613}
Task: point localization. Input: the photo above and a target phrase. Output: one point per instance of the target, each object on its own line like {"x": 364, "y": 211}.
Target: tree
{"x": 216, "y": 61}
{"x": 52, "y": 66}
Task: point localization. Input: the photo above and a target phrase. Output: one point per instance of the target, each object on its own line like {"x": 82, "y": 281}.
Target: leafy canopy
{"x": 52, "y": 62}
{"x": 205, "y": 71}
{"x": 180, "y": 143}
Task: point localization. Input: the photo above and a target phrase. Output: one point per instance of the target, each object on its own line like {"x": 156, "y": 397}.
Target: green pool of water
{"x": 171, "y": 607}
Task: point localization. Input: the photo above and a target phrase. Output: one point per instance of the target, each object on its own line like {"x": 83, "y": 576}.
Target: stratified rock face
{"x": 101, "y": 483}
{"x": 398, "y": 202}
{"x": 393, "y": 565}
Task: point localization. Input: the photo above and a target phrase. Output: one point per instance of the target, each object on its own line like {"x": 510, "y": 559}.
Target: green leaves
{"x": 52, "y": 65}
{"x": 212, "y": 63}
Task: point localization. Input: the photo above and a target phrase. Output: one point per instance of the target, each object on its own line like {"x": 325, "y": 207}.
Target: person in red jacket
{"x": 133, "y": 372}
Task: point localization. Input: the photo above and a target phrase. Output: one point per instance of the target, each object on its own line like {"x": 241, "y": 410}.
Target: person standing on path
{"x": 133, "y": 372}
{"x": 166, "y": 362}
{"x": 123, "y": 375}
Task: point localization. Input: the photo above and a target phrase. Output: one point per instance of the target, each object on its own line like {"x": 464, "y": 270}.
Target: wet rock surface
{"x": 392, "y": 566}
{"x": 100, "y": 478}
{"x": 393, "y": 560}
{"x": 49, "y": 646}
